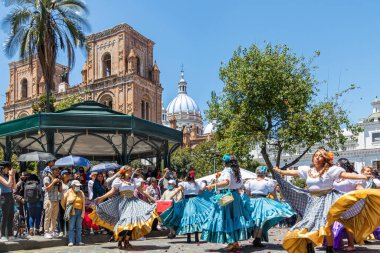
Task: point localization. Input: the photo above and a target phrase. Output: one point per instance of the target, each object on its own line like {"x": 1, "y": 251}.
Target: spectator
{"x": 153, "y": 190}
{"x": 98, "y": 188}
{"x": 52, "y": 186}
{"x": 18, "y": 196}
{"x": 74, "y": 199}
{"x": 376, "y": 179}
{"x": 111, "y": 178}
{"x": 62, "y": 224}
{"x": 7, "y": 185}
{"x": 33, "y": 199}
{"x": 169, "y": 192}
{"x": 279, "y": 196}
{"x": 139, "y": 192}
{"x": 164, "y": 181}
{"x": 90, "y": 185}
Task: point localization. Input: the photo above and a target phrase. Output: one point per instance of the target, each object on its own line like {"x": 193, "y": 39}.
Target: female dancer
{"x": 230, "y": 223}
{"x": 128, "y": 216}
{"x": 189, "y": 214}
{"x": 316, "y": 203}
{"x": 265, "y": 212}
{"x": 345, "y": 185}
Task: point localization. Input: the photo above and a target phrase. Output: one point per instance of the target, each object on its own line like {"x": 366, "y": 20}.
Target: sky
{"x": 202, "y": 35}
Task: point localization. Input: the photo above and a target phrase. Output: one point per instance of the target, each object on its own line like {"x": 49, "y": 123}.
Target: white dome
{"x": 183, "y": 104}
{"x": 210, "y": 128}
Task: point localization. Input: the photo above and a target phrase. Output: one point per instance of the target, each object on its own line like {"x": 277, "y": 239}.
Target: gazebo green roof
{"x": 89, "y": 129}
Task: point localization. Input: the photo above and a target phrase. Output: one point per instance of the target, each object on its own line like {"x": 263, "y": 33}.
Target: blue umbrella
{"x": 73, "y": 160}
{"x": 101, "y": 167}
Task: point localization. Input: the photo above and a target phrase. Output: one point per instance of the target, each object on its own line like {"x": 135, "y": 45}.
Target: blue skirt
{"x": 187, "y": 215}
{"x": 267, "y": 213}
{"x": 228, "y": 224}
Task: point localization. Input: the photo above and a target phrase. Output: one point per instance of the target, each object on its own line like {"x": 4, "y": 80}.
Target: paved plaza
{"x": 162, "y": 244}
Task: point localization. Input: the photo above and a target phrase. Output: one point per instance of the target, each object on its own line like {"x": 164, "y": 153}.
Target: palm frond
{"x": 8, "y": 3}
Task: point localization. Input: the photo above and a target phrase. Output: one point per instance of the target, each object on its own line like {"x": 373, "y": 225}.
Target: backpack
{"x": 31, "y": 192}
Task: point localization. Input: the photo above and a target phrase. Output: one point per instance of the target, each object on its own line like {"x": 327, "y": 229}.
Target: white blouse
{"x": 228, "y": 174}
{"x": 259, "y": 187}
{"x": 191, "y": 188}
{"x": 122, "y": 185}
{"x": 346, "y": 185}
{"x": 320, "y": 183}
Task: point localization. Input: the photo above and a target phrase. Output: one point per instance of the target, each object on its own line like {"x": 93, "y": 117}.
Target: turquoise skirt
{"x": 267, "y": 213}
{"x": 228, "y": 224}
{"x": 187, "y": 215}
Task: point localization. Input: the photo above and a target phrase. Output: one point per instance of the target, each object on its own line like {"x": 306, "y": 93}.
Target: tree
{"x": 40, "y": 104}
{"x": 40, "y": 28}
{"x": 270, "y": 101}
{"x": 68, "y": 101}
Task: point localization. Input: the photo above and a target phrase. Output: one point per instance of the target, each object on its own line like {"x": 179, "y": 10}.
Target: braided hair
{"x": 231, "y": 161}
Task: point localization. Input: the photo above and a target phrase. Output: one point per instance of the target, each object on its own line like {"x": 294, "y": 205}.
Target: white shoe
{"x": 60, "y": 234}
{"x": 81, "y": 244}
{"x": 70, "y": 244}
{"x": 91, "y": 231}
{"x": 48, "y": 236}
{"x": 3, "y": 239}
{"x": 159, "y": 228}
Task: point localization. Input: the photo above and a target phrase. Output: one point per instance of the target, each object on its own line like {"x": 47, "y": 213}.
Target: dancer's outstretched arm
{"x": 292, "y": 173}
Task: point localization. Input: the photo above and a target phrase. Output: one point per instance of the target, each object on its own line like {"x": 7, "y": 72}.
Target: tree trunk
{"x": 47, "y": 90}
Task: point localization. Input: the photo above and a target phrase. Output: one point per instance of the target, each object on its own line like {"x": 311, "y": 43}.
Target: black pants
{"x": 8, "y": 212}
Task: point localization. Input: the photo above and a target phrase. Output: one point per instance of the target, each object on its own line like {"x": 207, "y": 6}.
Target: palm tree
{"x": 41, "y": 28}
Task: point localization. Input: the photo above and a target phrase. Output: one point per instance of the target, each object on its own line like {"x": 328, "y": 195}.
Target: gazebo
{"x": 92, "y": 130}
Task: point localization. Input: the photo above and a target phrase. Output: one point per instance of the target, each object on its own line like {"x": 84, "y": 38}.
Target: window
{"x": 106, "y": 100}
{"x": 145, "y": 110}
{"x": 24, "y": 88}
{"x": 138, "y": 66}
{"x": 376, "y": 137}
{"x": 106, "y": 64}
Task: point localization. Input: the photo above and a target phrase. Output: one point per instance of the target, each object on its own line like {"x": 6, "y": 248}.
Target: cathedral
{"x": 119, "y": 72}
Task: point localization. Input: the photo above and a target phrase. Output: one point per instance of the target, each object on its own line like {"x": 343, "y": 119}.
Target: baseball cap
{"x": 76, "y": 183}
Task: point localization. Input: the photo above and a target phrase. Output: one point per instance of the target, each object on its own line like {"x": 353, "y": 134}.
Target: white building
{"x": 364, "y": 151}
{"x": 184, "y": 109}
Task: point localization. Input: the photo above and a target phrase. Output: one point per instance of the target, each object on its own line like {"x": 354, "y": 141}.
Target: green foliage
{"x": 40, "y": 29}
{"x": 68, "y": 101}
{"x": 136, "y": 164}
{"x": 40, "y": 104}
{"x": 270, "y": 101}
{"x": 201, "y": 158}
{"x": 299, "y": 182}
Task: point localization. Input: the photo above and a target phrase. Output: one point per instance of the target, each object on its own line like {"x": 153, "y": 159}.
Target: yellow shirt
{"x": 77, "y": 199}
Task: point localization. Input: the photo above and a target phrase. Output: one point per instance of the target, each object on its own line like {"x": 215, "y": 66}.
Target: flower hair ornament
{"x": 330, "y": 155}
{"x": 192, "y": 173}
{"x": 262, "y": 170}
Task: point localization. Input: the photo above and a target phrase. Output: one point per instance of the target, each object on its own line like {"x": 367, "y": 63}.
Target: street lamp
{"x": 214, "y": 152}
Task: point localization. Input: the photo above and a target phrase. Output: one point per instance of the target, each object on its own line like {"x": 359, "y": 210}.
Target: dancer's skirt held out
{"x": 187, "y": 215}
{"x": 228, "y": 224}
{"x": 125, "y": 213}
{"x": 355, "y": 210}
{"x": 267, "y": 213}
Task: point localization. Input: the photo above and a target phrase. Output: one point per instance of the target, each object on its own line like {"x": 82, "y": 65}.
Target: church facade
{"x": 119, "y": 72}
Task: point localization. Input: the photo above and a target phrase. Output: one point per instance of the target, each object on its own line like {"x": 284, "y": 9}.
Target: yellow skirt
{"x": 361, "y": 225}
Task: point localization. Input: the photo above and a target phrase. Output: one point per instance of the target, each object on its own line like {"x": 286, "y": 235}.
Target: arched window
{"x": 147, "y": 110}
{"x": 24, "y": 88}
{"x": 106, "y": 100}
{"x": 21, "y": 115}
{"x": 106, "y": 64}
{"x": 143, "y": 109}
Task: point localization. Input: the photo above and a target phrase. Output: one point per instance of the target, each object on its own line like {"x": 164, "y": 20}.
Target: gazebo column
{"x": 50, "y": 141}
{"x": 158, "y": 161}
{"x": 8, "y": 149}
{"x": 124, "y": 148}
{"x": 166, "y": 154}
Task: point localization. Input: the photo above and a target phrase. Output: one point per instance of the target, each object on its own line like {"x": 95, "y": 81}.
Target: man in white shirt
{"x": 90, "y": 185}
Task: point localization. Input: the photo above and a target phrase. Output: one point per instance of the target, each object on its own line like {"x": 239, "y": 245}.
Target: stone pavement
{"x": 162, "y": 244}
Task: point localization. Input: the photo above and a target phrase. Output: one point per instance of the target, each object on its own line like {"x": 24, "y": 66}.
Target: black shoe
{"x": 120, "y": 244}
{"x": 330, "y": 249}
{"x": 257, "y": 243}
{"x": 188, "y": 238}
{"x": 196, "y": 237}
{"x": 310, "y": 248}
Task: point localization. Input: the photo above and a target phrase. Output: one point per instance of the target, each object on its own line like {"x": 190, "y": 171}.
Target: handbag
{"x": 224, "y": 199}
{"x": 68, "y": 210}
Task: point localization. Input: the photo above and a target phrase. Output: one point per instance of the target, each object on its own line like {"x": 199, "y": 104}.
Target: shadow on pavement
{"x": 249, "y": 248}
{"x": 140, "y": 247}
